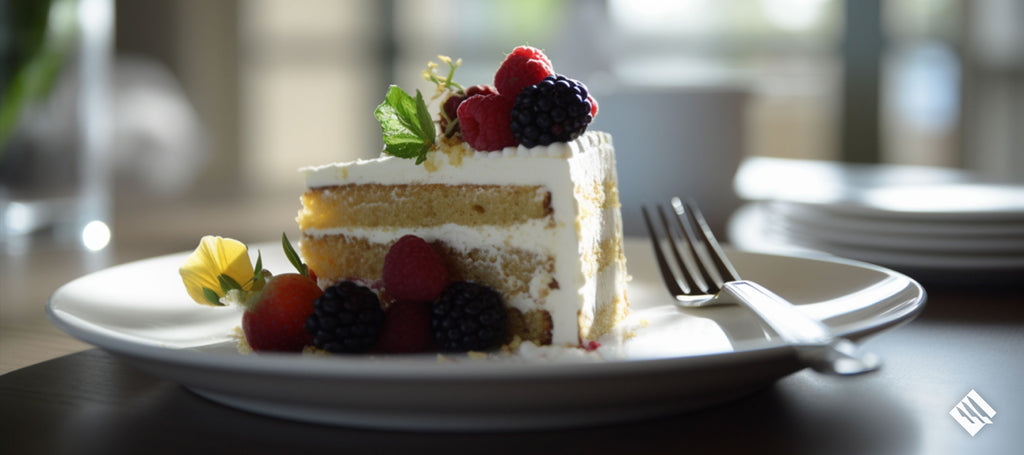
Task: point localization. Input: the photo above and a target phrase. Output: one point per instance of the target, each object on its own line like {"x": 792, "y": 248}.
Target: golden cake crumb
{"x": 239, "y": 336}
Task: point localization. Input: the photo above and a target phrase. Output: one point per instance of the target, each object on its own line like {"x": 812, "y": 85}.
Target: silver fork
{"x": 706, "y": 277}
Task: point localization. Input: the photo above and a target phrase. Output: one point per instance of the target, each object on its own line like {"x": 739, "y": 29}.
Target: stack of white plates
{"x": 949, "y": 229}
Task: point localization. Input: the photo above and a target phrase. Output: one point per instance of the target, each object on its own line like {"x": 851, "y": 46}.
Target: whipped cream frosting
{"x": 462, "y": 165}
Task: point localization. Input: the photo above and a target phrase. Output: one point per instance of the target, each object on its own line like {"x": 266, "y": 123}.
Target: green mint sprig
{"x": 408, "y": 130}
{"x": 293, "y": 256}
{"x": 405, "y": 122}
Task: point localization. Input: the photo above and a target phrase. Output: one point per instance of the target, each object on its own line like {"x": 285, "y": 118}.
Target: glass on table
{"x": 55, "y": 123}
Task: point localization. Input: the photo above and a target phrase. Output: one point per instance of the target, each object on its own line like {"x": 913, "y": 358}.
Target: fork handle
{"x": 791, "y": 324}
{"x": 813, "y": 340}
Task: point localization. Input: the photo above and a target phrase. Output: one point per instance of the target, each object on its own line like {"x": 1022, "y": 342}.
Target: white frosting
{"x": 462, "y": 165}
{"x": 571, "y": 234}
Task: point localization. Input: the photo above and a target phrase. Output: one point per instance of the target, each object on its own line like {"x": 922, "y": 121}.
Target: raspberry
{"x": 413, "y": 271}
{"x": 450, "y": 111}
{"x": 468, "y": 317}
{"x": 557, "y": 109}
{"x": 451, "y": 106}
{"x": 485, "y": 121}
{"x": 481, "y": 89}
{"x": 346, "y": 318}
{"x": 524, "y": 67}
{"x": 531, "y": 52}
{"x": 406, "y": 329}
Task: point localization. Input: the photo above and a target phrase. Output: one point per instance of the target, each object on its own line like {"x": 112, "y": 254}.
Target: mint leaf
{"x": 406, "y": 125}
{"x": 257, "y": 269}
{"x": 211, "y": 296}
{"x": 259, "y": 276}
{"x": 293, "y": 256}
{"x": 227, "y": 283}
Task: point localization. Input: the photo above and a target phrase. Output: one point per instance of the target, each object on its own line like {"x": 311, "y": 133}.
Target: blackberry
{"x": 468, "y": 317}
{"x": 346, "y": 318}
{"x": 556, "y": 109}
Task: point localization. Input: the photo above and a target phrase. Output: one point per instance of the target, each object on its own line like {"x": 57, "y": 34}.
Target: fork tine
{"x": 722, "y": 263}
{"x": 689, "y": 266}
{"x": 703, "y": 267}
{"x": 671, "y": 282}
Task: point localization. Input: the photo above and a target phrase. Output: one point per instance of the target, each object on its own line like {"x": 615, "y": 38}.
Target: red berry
{"x": 593, "y": 105}
{"x": 406, "y": 329}
{"x": 451, "y": 112}
{"x": 486, "y": 123}
{"x": 481, "y": 90}
{"x": 524, "y": 67}
{"x": 451, "y": 106}
{"x": 413, "y": 271}
{"x": 531, "y": 52}
{"x": 276, "y": 320}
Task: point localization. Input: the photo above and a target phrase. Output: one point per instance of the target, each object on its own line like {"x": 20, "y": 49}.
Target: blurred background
{"x": 222, "y": 100}
{"x": 131, "y": 128}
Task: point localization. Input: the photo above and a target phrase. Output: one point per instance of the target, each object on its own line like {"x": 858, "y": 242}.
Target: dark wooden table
{"x": 92, "y": 402}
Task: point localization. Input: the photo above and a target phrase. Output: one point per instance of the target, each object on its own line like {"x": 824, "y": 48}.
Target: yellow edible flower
{"x": 217, "y": 265}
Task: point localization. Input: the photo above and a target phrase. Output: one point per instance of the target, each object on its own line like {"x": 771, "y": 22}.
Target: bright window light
{"x": 794, "y": 15}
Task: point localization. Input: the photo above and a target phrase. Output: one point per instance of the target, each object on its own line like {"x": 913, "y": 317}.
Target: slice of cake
{"x": 539, "y": 225}
{"x": 512, "y": 194}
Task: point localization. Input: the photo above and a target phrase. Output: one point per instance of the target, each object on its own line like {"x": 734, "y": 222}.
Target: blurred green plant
{"x": 35, "y": 37}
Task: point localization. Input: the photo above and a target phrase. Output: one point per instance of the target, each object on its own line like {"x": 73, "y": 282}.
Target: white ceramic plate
{"x": 681, "y": 360}
{"x": 762, "y": 227}
{"x": 956, "y": 202}
{"x": 818, "y": 218}
{"x": 781, "y": 218}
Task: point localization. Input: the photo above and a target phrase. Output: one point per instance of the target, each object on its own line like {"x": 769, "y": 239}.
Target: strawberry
{"x": 524, "y": 67}
{"x": 406, "y": 329}
{"x": 275, "y": 317}
{"x": 486, "y": 123}
{"x": 413, "y": 271}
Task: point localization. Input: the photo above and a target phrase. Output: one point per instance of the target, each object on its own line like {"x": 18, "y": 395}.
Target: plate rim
{"x": 709, "y": 378}
{"x": 749, "y": 229}
{"x": 859, "y": 205}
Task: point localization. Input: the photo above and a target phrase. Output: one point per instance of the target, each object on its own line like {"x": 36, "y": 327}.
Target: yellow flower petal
{"x": 215, "y": 256}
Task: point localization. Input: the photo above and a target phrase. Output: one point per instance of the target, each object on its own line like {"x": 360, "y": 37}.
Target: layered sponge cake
{"x": 540, "y": 225}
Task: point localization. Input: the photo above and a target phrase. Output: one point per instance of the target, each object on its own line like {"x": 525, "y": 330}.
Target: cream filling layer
{"x": 579, "y": 283}
{"x": 533, "y": 235}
